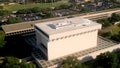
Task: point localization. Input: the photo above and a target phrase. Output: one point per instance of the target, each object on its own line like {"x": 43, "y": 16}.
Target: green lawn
{"x": 115, "y": 29}
{"x": 110, "y": 31}
{"x": 40, "y": 5}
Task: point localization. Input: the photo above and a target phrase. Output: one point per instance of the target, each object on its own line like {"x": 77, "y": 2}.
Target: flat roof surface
{"x": 23, "y": 25}
{"x": 17, "y": 27}
{"x": 60, "y": 26}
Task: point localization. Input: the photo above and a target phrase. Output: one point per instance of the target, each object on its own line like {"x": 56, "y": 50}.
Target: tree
{"x": 12, "y": 62}
{"x": 64, "y": 6}
{"x": 116, "y": 37}
{"x": 71, "y": 62}
{"x": 2, "y": 37}
{"x": 84, "y": 10}
{"x": 4, "y": 12}
{"x": 35, "y": 10}
{"x": 13, "y": 20}
{"x": 107, "y": 34}
{"x": 24, "y": 11}
{"x": 96, "y": 1}
{"x": 104, "y": 22}
{"x": 29, "y": 10}
{"x": 114, "y": 1}
{"x": 114, "y": 17}
{"x": 107, "y": 60}
{"x": 49, "y": 14}
{"x": 118, "y": 25}
{"x": 24, "y": 64}
{"x": 1, "y": 7}
{"x": 10, "y": 0}
{"x": 118, "y": 55}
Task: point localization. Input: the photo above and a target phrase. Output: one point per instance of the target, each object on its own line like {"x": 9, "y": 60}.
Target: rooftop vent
{"x": 85, "y": 21}
{"x": 60, "y": 24}
{"x": 69, "y": 23}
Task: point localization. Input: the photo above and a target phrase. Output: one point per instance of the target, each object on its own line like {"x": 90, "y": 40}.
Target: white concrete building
{"x": 67, "y": 36}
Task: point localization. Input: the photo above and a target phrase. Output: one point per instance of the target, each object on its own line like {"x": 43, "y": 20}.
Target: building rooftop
{"x": 60, "y": 26}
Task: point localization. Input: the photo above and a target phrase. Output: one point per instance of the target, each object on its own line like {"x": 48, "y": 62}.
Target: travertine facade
{"x": 63, "y": 37}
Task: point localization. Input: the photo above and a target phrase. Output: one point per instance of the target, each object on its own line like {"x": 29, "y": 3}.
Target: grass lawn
{"x": 40, "y": 5}
{"x": 115, "y": 29}
{"x": 109, "y": 31}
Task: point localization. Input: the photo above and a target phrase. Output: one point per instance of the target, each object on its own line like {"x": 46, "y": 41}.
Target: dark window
{"x": 42, "y": 31}
{"x": 43, "y": 46}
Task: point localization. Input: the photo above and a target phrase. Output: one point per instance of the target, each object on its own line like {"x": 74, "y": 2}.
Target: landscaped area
{"x": 114, "y": 29}
{"x": 40, "y": 5}
{"x": 16, "y": 45}
{"x": 31, "y": 11}
{"x": 111, "y": 27}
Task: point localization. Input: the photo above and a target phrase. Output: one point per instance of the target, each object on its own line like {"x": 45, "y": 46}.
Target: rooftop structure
{"x": 63, "y": 37}
{"x": 60, "y": 26}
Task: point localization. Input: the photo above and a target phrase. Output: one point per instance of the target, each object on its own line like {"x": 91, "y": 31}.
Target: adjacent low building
{"x": 60, "y": 38}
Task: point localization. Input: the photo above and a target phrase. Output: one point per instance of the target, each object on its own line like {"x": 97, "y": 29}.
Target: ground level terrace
{"x": 85, "y": 55}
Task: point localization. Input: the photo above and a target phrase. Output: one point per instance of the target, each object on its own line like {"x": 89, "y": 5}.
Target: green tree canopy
{"x": 114, "y": 18}
{"x": 13, "y": 20}
{"x": 29, "y": 10}
{"x": 24, "y": 64}
{"x": 4, "y": 12}
{"x": 12, "y": 62}
{"x": 104, "y": 22}
{"x": 64, "y": 6}
{"x": 1, "y": 7}
{"x": 71, "y": 62}
{"x": 106, "y": 60}
{"x": 35, "y": 10}
{"x": 24, "y": 11}
{"x": 116, "y": 37}
{"x": 2, "y": 37}
{"x": 106, "y": 34}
